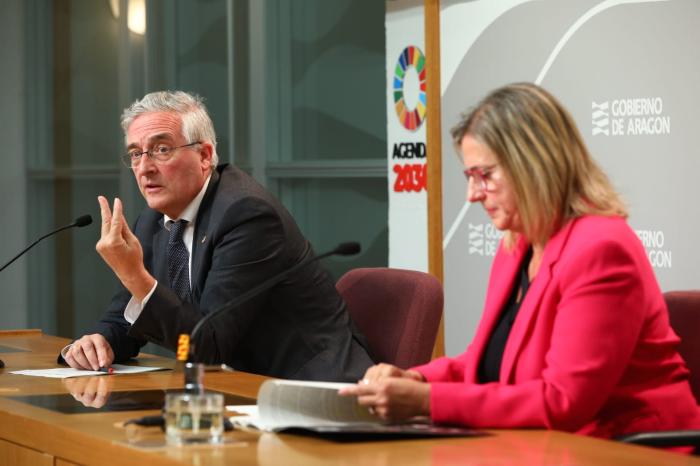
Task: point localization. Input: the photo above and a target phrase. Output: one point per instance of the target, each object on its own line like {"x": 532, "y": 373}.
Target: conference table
{"x": 45, "y": 421}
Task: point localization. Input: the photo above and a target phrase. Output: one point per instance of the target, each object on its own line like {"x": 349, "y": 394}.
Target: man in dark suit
{"x": 225, "y": 231}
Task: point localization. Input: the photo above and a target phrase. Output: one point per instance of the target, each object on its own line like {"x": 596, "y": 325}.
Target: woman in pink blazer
{"x": 575, "y": 333}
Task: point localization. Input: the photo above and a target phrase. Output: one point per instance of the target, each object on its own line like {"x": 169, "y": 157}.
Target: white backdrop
{"x": 408, "y": 216}
{"x": 628, "y": 70}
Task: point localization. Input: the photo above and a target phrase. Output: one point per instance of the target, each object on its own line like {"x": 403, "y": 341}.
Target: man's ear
{"x": 206, "y": 152}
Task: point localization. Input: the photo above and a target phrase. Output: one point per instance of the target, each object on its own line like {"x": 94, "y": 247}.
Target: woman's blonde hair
{"x": 542, "y": 155}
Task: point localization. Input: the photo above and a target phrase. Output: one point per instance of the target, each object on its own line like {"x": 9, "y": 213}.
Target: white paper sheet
{"x": 65, "y": 372}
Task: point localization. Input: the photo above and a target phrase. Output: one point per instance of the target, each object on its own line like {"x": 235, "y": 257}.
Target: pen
{"x": 107, "y": 370}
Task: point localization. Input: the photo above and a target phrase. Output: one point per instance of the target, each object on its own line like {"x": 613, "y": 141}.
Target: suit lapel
{"x": 527, "y": 315}
{"x": 202, "y": 236}
{"x": 160, "y": 255}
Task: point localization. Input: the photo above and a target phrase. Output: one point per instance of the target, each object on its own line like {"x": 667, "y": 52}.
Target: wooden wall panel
{"x": 434, "y": 143}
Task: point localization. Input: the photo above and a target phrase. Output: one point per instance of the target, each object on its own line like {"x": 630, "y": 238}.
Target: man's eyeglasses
{"x": 481, "y": 177}
{"x": 160, "y": 153}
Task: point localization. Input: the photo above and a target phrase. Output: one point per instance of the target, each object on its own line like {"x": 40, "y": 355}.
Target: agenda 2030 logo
{"x": 410, "y": 105}
{"x": 409, "y": 93}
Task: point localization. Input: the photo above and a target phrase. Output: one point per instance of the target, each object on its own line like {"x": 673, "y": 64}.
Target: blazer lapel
{"x": 529, "y": 308}
{"x": 504, "y": 272}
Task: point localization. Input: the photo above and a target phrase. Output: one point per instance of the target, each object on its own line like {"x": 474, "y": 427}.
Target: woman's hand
{"x": 393, "y": 398}
{"x": 382, "y": 371}
{"x": 392, "y": 393}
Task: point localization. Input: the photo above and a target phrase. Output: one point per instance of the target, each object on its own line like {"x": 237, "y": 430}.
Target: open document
{"x": 316, "y": 408}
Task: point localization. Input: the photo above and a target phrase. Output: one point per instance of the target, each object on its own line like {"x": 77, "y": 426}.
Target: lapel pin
{"x": 204, "y": 238}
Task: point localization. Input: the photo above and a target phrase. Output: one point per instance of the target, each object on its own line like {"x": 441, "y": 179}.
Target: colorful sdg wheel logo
{"x": 411, "y": 111}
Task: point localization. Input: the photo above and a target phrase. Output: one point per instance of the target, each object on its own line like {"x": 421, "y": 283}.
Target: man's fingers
{"x": 129, "y": 236}
{"x": 105, "y": 356}
{"x": 77, "y": 356}
{"x": 117, "y": 210}
{"x": 117, "y": 217}
{"x": 91, "y": 354}
{"x": 126, "y": 232}
{"x": 70, "y": 361}
{"x": 106, "y": 215}
{"x": 101, "y": 348}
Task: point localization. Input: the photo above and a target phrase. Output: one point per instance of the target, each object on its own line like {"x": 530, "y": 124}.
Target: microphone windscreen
{"x": 348, "y": 249}
{"x": 83, "y": 220}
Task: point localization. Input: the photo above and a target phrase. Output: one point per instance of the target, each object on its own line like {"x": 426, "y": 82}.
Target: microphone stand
{"x": 183, "y": 410}
{"x": 186, "y": 347}
{"x": 79, "y": 222}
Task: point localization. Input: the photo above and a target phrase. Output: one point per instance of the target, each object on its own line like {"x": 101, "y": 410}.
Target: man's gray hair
{"x": 196, "y": 123}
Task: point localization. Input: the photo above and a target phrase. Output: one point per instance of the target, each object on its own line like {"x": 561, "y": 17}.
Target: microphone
{"x": 79, "y": 222}
{"x": 343, "y": 249}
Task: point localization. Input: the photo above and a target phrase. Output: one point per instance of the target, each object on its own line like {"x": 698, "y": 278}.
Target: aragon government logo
{"x": 409, "y": 88}
{"x": 635, "y": 116}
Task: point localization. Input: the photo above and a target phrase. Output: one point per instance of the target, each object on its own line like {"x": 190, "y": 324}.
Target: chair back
{"x": 684, "y": 314}
{"x": 397, "y": 310}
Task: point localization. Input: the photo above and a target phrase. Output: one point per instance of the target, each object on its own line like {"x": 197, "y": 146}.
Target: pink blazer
{"x": 590, "y": 351}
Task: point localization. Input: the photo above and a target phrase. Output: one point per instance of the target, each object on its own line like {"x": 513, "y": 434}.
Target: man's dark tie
{"x": 178, "y": 261}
